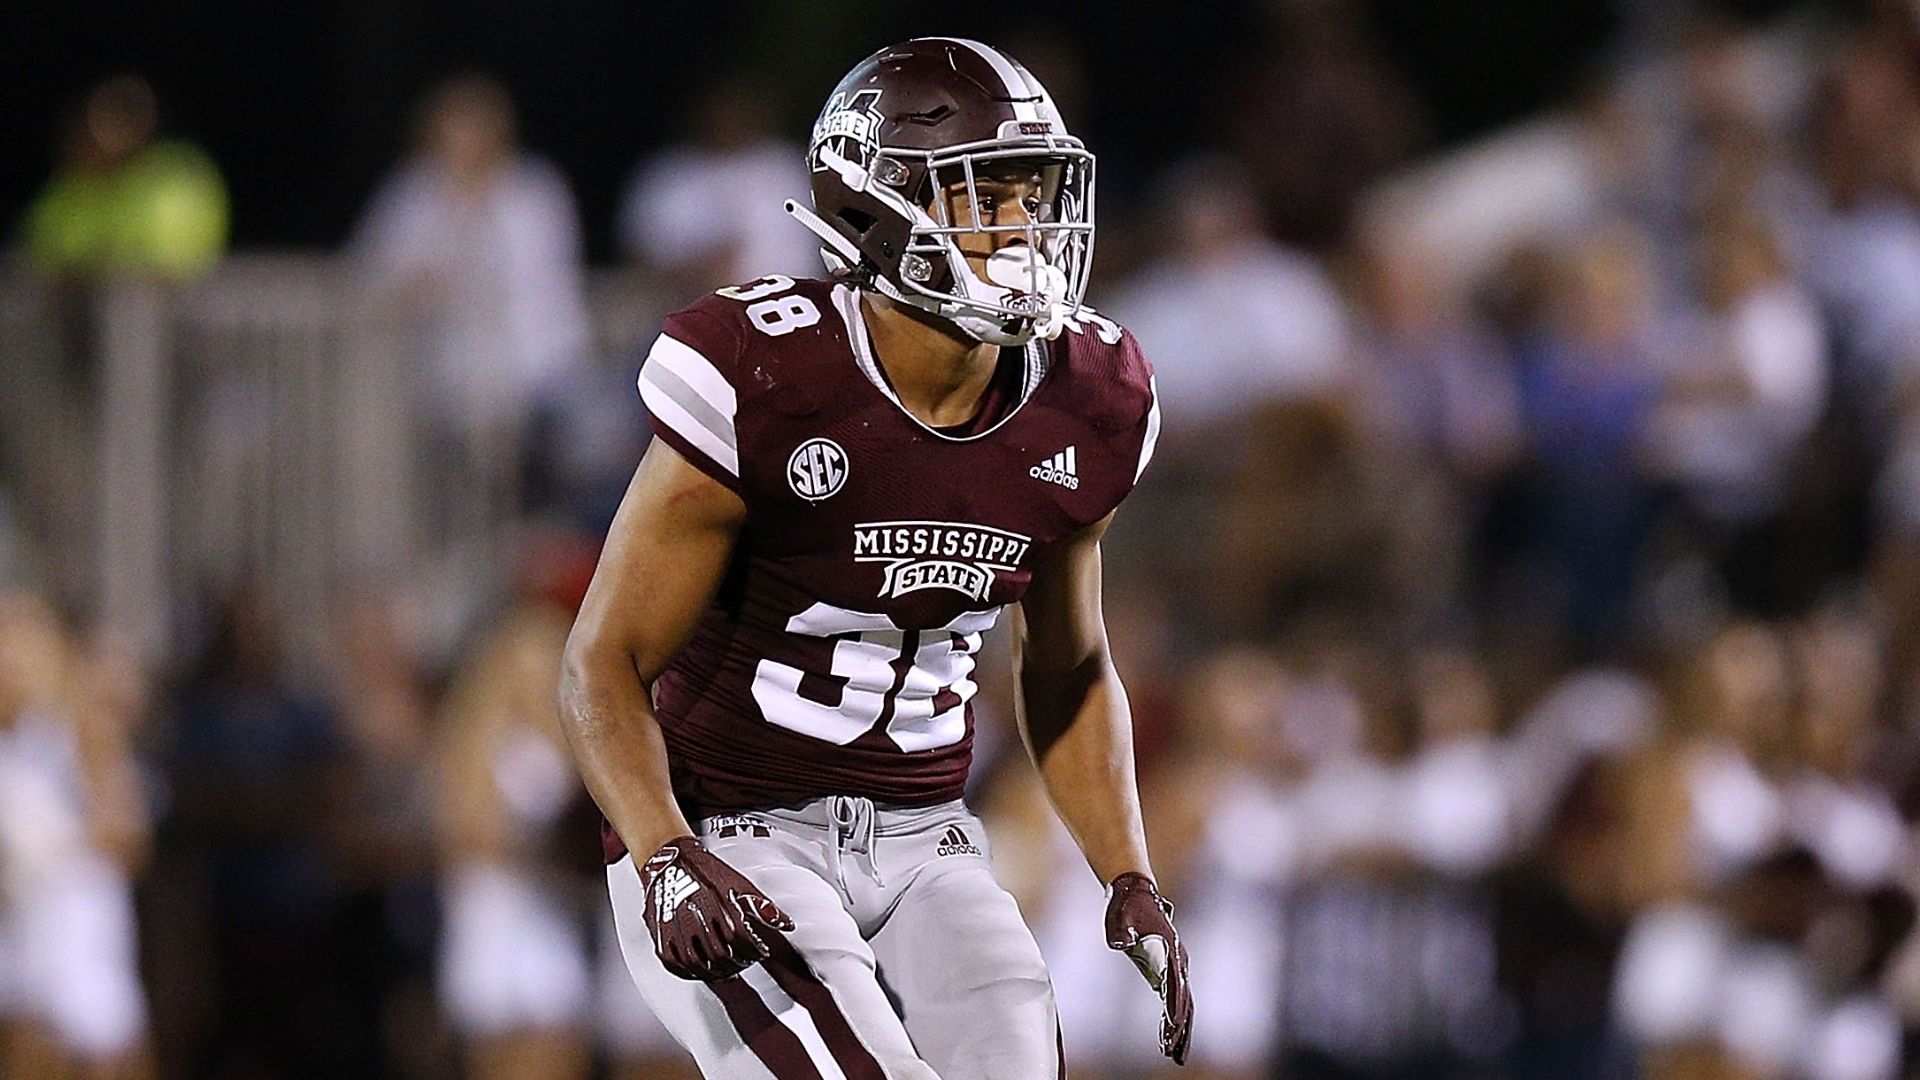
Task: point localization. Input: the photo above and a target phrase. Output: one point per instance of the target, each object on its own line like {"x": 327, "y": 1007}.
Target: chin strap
{"x": 842, "y": 258}
{"x": 838, "y": 248}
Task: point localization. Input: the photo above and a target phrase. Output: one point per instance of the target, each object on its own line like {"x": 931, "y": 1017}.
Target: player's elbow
{"x": 589, "y": 667}
{"x": 574, "y": 678}
{"x": 1057, "y": 698}
{"x": 1056, "y": 657}
{"x": 1049, "y": 644}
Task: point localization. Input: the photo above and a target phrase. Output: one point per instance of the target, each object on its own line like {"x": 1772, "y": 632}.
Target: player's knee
{"x": 1016, "y": 977}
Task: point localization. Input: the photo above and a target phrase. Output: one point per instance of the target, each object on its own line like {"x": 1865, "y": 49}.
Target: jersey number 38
{"x": 924, "y": 707}
{"x": 768, "y": 311}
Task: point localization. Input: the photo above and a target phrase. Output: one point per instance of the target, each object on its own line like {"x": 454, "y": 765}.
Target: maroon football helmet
{"x": 918, "y": 118}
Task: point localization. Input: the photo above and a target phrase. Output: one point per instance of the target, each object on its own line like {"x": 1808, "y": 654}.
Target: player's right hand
{"x": 705, "y": 917}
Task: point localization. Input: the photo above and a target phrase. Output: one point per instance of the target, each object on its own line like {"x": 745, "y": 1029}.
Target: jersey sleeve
{"x": 688, "y": 384}
{"x": 1151, "y": 433}
{"x": 1132, "y": 409}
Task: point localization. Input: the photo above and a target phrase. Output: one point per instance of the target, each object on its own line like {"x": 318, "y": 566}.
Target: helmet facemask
{"x": 1026, "y": 288}
{"x": 933, "y": 197}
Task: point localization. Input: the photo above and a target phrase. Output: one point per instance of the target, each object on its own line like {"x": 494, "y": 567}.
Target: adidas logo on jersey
{"x": 1062, "y": 468}
{"x": 955, "y": 842}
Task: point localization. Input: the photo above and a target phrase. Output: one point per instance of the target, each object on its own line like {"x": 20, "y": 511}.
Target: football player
{"x": 769, "y": 688}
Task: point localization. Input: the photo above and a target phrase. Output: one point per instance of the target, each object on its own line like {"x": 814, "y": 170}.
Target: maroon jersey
{"x": 837, "y": 657}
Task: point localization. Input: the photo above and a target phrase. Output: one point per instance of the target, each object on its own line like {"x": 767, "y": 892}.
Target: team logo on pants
{"x": 728, "y": 826}
{"x": 955, "y": 842}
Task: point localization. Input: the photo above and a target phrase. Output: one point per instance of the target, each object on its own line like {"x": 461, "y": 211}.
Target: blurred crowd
{"x": 1521, "y": 615}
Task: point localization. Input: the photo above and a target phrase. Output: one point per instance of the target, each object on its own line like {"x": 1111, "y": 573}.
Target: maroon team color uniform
{"x": 837, "y": 658}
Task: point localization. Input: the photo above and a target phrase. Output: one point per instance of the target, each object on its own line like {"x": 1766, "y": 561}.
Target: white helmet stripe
{"x": 1016, "y": 86}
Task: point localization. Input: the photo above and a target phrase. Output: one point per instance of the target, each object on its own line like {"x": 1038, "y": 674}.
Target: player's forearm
{"x": 608, "y": 718}
{"x": 1080, "y": 732}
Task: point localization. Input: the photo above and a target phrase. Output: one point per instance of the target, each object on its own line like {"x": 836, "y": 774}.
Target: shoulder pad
{"x": 722, "y": 351}
{"x": 1110, "y": 379}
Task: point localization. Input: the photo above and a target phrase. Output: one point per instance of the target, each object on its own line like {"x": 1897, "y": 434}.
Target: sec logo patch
{"x": 817, "y": 469}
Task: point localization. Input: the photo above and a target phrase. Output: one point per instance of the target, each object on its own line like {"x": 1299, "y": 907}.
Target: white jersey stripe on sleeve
{"x": 668, "y": 411}
{"x": 697, "y": 372}
{"x": 685, "y": 392}
{"x": 694, "y": 405}
{"x": 1153, "y": 431}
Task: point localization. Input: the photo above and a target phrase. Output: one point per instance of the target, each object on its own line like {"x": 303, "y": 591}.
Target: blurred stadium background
{"x": 1522, "y": 615}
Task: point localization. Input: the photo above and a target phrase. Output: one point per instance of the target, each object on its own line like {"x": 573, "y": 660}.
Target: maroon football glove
{"x": 704, "y": 916}
{"x": 1140, "y": 924}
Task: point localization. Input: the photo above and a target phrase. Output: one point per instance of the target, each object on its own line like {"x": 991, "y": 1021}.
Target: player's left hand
{"x": 1140, "y": 924}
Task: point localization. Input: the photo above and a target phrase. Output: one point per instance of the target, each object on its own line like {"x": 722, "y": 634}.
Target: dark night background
{"x": 304, "y": 105}
{"x": 1526, "y": 583}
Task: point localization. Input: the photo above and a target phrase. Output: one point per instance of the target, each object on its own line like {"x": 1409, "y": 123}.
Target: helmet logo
{"x": 817, "y": 469}
{"x": 855, "y": 120}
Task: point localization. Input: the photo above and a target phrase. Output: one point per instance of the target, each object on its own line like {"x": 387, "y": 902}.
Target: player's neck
{"x": 939, "y": 376}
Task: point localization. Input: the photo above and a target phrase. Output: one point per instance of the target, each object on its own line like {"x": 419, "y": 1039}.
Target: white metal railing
{"x": 162, "y": 445}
